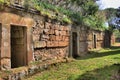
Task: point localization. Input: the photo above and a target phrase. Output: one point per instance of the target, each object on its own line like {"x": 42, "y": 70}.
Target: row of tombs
{"x": 27, "y": 37}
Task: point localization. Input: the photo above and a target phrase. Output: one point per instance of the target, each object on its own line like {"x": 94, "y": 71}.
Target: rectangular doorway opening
{"x": 18, "y": 46}
{"x": 74, "y": 45}
{"x": 94, "y": 41}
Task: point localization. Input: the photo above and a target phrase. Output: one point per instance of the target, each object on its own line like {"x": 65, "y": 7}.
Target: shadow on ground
{"x": 95, "y": 54}
{"x": 106, "y": 73}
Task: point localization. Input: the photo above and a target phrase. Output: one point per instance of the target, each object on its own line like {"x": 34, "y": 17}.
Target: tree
{"x": 110, "y": 13}
{"x": 115, "y": 21}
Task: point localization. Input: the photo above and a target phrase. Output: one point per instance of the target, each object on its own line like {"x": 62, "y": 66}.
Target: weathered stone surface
{"x": 48, "y": 25}
{"x": 22, "y": 74}
{"x": 67, "y": 39}
{"x": 49, "y": 38}
{"x": 57, "y": 38}
{"x": 46, "y": 31}
{"x": 52, "y": 43}
{"x": 56, "y": 27}
{"x": 61, "y": 43}
{"x": 39, "y": 44}
{"x": 49, "y": 54}
{"x": 8, "y": 22}
{"x": 61, "y": 28}
{"x": 44, "y": 37}
{"x": 5, "y": 64}
{"x": 57, "y": 32}
{"x": 83, "y": 47}
{"x": 32, "y": 70}
{"x": 90, "y": 37}
{"x": 63, "y": 33}
{"x": 36, "y": 37}
{"x": 66, "y": 28}
{"x": 49, "y": 44}
{"x": 67, "y": 33}
{"x": 52, "y": 37}
{"x": 37, "y": 30}
{"x": 41, "y": 24}
{"x": 51, "y": 31}
{"x": 63, "y": 38}
{"x": 60, "y": 38}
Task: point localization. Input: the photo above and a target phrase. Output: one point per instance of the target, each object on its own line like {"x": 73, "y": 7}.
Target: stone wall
{"x": 50, "y": 40}
{"x": 108, "y": 39}
{"x": 81, "y": 40}
{"x": 113, "y": 39}
{"x": 83, "y": 45}
{"x": 99, "y": 39}
{"x": 46, "y": 39}
{"x": 9, "y": 17}
{"x": 85, "y": 40}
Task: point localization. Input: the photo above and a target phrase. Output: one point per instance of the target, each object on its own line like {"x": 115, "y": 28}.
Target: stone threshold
{"x": 33, "y": 68}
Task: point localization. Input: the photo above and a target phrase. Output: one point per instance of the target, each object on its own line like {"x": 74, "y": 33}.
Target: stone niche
{"x": 15, "y": 46}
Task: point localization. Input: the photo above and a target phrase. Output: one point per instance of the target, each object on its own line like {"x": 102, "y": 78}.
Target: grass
{"x": 87, "y": 16}
{"x": 105, "y": 73}
{"x": 98, "y": 65}
{"x": 63, "y": 15}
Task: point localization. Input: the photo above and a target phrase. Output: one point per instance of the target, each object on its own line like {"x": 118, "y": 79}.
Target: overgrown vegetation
{"x": 97, "y": 65}
{"x": 57, "y": 12}
{"x": 88, "y": 16}
{"x": 1, "y": 1}
{"x": 110, "y": 13}
{"x": 4, "y": 2}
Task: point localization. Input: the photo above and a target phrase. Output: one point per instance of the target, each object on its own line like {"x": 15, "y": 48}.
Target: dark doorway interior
{"x": 74, "y": 45}
{"x": 94, "y": 41}
{"x": 18, "y": 46}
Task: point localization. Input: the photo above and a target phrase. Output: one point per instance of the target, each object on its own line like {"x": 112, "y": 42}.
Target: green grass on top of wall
{"x": 87, "y": 17}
